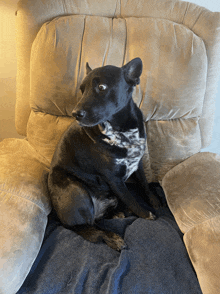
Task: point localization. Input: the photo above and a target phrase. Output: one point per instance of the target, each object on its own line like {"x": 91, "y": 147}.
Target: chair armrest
{"x": 23, "y": 211}
{"x": 192, "y": 190}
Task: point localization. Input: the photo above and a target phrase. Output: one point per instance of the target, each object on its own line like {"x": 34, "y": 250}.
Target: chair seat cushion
{"x": 155, "y": 261}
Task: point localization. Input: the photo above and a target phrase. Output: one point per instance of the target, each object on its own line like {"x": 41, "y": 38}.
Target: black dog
{"x": 95, "y": 157}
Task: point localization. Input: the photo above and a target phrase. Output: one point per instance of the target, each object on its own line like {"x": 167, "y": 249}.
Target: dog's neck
{"x": 127, "y": 118}
{"x": 122, "y": 139}
{"x": 129, "y": 141}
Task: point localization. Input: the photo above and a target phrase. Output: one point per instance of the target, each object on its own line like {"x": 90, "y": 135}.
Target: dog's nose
{"x": 78, "y": 114}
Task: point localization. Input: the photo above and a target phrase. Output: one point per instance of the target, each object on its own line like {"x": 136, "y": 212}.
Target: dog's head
{"x": 105, "y": 91}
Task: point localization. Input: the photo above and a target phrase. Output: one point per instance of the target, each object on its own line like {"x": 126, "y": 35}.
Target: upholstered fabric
{"x": 179, "y": 44}
{"x": 203, "y": 23}
{"x": 24, "y": 207}
{"x": 44, "y": 132}
{"x": 193, "y": 194}
{"x": 173, "y": 83}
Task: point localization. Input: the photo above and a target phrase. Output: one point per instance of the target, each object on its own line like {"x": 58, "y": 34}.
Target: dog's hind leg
{"x": 72, "y": 204}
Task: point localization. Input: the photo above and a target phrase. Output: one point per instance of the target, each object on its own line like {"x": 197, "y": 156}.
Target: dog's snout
{"x": 78, "y": 114}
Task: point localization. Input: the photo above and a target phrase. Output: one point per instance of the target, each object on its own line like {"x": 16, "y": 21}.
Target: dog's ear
{"x": 88, "y": 68}
{"x": 132, "y": 71}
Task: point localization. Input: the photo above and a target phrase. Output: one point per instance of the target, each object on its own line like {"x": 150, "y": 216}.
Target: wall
{"x": 8, "y": 69}
{"x": 8, "y": 72}
{"x": 213, "y": 5}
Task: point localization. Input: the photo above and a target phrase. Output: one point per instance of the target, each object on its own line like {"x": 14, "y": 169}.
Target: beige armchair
{"x": 179, "y": 44}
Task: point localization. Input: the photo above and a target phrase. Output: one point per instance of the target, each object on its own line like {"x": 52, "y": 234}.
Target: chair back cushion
{"x": 177, "y": 42}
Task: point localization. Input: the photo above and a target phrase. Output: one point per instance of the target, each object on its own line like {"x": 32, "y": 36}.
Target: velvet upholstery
{"x": 193, "y": 194}
{"x": 24, "y": 208}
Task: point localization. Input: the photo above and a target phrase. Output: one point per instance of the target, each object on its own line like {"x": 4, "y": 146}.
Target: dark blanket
{"x": 155, "y": 262}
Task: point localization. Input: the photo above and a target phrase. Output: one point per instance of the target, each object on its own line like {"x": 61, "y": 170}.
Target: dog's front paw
{"x": 119, "y": 215}
{"x": 151, "y": 216}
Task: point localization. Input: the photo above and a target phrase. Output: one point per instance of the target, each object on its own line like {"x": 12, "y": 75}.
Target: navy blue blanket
{"x": 155, "y": 262}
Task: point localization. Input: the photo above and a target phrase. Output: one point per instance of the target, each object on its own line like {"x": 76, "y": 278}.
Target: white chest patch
{"x": 131, "y": 141}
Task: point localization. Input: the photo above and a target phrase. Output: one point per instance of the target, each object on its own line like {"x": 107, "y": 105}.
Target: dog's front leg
{"x": 149, "y": 197}
{"x": 120, "y": 189}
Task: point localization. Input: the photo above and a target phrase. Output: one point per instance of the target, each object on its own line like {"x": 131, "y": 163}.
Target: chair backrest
{"x": 178, "y": 42}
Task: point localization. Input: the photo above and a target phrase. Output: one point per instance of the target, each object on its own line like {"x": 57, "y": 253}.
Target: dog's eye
{"x": 102, "y": 87}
